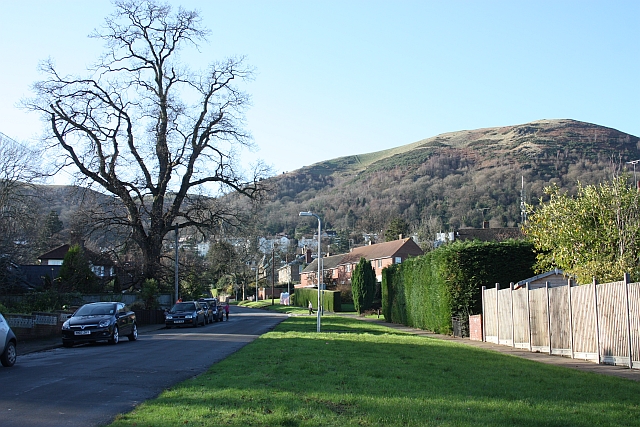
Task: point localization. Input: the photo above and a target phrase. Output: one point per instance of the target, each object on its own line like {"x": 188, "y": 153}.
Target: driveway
{"x": 89, "y": 385}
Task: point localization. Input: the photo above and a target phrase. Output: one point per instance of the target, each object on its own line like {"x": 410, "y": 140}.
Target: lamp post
{"x": 633, "y": 162}
{"x": 319, "y": 263}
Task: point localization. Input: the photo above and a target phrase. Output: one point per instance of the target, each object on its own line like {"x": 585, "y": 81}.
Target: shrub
{"x": 425, "y": 292}
{"x": 363, "y": 282}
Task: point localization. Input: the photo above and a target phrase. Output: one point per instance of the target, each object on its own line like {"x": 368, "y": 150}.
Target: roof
{"x": 328, "y": 263}
{"x": 403, "y": 247}
{"x": 57, "y": 253}
{"x": 555, "y": 272}
{"x": 61, "y": 251}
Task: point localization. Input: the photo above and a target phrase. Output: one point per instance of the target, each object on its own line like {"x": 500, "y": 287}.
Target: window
{"x": 348, "y": 268}
{"x": 379, "y": 263}
{"x": 398, "y": 260}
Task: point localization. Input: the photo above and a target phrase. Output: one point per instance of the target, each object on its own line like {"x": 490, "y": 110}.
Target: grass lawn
{"x": 356, "y": 373}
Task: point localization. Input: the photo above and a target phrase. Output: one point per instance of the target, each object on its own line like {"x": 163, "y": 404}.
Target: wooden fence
{"x": 596, "y": 322}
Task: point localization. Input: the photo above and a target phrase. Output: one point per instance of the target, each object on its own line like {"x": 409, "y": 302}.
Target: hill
{"x": 449, "y": 181}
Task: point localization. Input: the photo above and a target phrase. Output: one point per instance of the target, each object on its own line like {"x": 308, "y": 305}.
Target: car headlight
{"x": 189, "y": 316}
{"x": 65, "y": 325}
{"x": 104, "y": 323}
{"x": 169, "y": 317}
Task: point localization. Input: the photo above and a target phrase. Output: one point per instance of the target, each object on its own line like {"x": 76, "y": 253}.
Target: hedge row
{"x": 302, "y": 296}
{"x": 426, "y": 291}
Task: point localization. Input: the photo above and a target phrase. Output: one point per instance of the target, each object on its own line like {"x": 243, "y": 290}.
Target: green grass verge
{"x": 357, "y": 373}
{"x": 266, "y": 305}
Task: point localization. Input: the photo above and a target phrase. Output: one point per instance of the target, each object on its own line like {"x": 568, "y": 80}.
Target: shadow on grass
{"x": 291, "y": 377}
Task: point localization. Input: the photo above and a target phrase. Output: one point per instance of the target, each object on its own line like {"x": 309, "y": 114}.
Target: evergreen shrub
{"x": 427, "y": 291}
{"x": 302, "y": 296}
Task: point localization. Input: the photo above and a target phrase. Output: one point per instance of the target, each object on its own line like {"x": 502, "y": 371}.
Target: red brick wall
{"x": 475, "y": 327}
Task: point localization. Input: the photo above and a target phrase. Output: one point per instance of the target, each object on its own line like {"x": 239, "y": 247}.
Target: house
{"x": 554, "y": 278}
{"x": 330, "y": 272}
{"x": 380, "y": 255}
{"x": 101, "y": 265}
{"x": 290, "y": 273}
{"x": 337, "y": 269}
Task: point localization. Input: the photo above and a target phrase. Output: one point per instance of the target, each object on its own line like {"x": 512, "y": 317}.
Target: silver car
{"x": 7, "y": 344}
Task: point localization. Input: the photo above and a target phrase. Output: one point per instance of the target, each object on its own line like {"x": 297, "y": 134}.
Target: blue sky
{"x": 335, "y": 78}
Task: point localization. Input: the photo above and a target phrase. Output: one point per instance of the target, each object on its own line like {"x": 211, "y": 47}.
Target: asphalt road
{"x": 89, "y": 385}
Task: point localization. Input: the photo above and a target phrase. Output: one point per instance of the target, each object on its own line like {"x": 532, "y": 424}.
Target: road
{"x": 89, "y": 385}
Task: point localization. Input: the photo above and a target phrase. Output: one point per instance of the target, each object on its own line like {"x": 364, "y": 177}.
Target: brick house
{"x": 337, "y": 269}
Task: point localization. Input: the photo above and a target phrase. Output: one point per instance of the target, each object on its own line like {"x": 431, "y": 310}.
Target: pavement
{"x": 41, "y": 344}
{"x": 48, "y": 343}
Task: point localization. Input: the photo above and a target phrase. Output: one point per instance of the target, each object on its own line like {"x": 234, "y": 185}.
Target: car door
{"x": 123, "y": 319}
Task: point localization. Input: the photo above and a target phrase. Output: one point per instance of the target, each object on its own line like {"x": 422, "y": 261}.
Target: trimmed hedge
{"x": 302, "y": 296}
{"x": 427, "y": 291}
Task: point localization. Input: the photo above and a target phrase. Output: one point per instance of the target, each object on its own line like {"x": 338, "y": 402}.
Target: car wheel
{"x": 8, "y": 358}
{"x": 195, "y": 322}
{"x": 115, "y": 337}
{"x": 67, "y": 344}
{"x": 134, "y": 333}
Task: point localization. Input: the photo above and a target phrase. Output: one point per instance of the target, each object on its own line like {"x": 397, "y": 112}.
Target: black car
{"x": 187, "y": 313}
{"x": 100, "y": 321}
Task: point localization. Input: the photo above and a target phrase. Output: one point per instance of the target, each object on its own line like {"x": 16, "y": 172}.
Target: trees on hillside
{"x": 147, "y": 130}
{"x": 592, "y": 234}
{"x": 363, "y": 285}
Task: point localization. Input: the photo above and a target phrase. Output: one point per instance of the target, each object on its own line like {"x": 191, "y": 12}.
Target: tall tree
{"x": 593, "y": 234}
{"x": 363, "y": 285}
{"x": 75, "y": 273}
{"x": 397, "y": 227}
{"x": 149, "y": 131}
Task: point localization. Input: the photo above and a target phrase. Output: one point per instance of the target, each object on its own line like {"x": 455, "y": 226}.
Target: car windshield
{"x": 95, "y": 310}
{"x": 184, "y": 306}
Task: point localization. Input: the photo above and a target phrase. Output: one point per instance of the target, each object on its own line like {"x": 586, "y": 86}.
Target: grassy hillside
{"x": 450, "y": 181}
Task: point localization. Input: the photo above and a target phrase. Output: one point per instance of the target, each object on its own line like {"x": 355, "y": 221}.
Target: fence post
{"x": 595, "y": 305}
{"x": 484, "y": 336}
{"x": 627, "y": 279}
{"x": 513, "y": 330}
{"x": 498, "y": 312}
{"x": 570, "y": 317}
{"x": 529, "y": 318}
{"x": 546, "y": 286}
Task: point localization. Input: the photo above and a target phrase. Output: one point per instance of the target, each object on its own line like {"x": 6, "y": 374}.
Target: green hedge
{"x": 425, "y": 292}
{"x": 302, "y": 296}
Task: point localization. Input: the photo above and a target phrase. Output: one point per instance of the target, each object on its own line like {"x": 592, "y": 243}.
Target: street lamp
{"x": 633, "y": 162}
{"x": 319, "y": 263}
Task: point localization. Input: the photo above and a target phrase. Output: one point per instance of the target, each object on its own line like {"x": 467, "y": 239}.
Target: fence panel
{"x": 539, "y": 320}
{"x": 612, "y": 320}
{"x": 560, "y": 321}
{"x": 521, "y": 337}
{"x": 634, "y": 309}
{"x": 505, "y": 317}
{"x": 490, "y": 315}
{"x": 585, "y": 340}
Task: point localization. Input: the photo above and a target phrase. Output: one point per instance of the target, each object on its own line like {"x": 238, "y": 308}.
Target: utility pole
{"x": 273, "y": 272}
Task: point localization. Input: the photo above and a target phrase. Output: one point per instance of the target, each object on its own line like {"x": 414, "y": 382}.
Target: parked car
{"x": 208, "y": 312}
{"x": 186, "y": 313}
{"x": 100, "y": 321}
{"x": 216, "y": 308}
{"x": 7, "y": 344}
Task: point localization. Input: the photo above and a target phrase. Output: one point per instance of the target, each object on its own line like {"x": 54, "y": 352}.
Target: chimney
{"x": 400, "y": 236}
{"x": 485, "y": 224}
{"x": 307, "y": 256}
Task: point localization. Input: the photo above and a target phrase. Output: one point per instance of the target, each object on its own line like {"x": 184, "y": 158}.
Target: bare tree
{"x": 19, "y": 172}
{"x": 147, "y": 130}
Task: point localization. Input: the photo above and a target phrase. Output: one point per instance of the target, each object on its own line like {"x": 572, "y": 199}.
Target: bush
{"x": 426, "y": 292}
{"x": 304, "y": 295}
{"x": 363, "y": 284}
